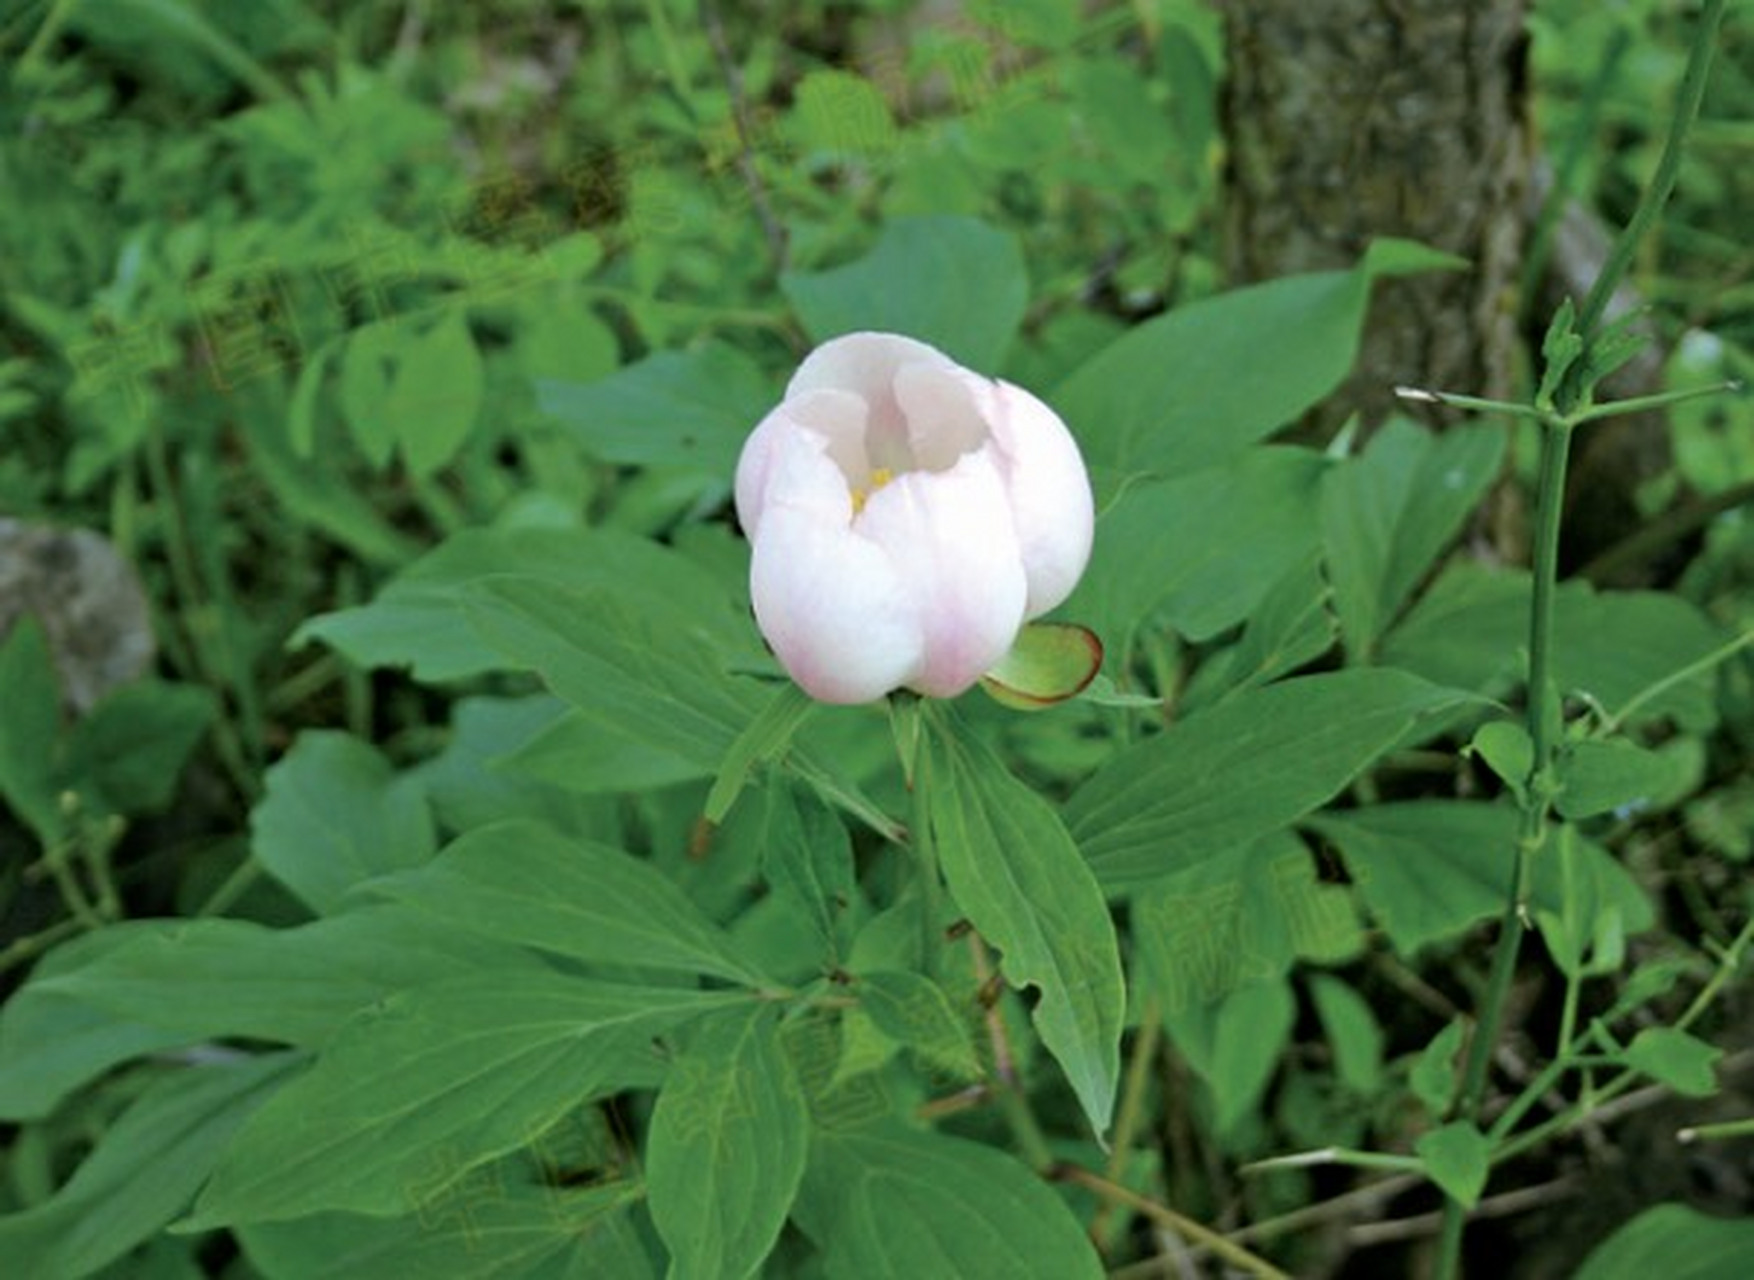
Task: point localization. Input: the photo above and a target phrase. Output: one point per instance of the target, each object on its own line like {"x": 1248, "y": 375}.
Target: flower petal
{"x": 1049, "y": 494}
{"x": 866, "y": 364}
{"x": 953, "y": 548}
{"x": 830, "y": 604}
{"x": 796, "y": 441}
{"x": 947, "y": 411}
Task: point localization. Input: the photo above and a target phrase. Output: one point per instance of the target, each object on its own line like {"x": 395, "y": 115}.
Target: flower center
{"x": 861, "y": 495}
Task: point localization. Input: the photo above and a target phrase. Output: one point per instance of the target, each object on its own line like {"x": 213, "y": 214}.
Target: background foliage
{"x": 406, "y": 349}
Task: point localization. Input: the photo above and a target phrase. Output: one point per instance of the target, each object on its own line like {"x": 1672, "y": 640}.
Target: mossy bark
{"x": 1353, "y": 119}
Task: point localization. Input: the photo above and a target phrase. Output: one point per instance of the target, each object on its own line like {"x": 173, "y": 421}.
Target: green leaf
{"x": 969, "y": 1211}
{"x": 913, "y": 1010}
{"x": 335, "y": 815}
{"x": 1674, "y": 1241}
{"x": 1387, "y": 514}
{"x": 591, "y": 755}
{"x": 485, "y": 772}
{"x": 438, "y": 393}
{"x": 1470, "y": 630}
{"x": 1199, "y": 551}
{"x": 52, "y": 1045}
{"x": 1237, "y": 918}
{"x": 1172, "y": 396}
{"x": 419, "y": 390}
{"x": 1016, "y": 874}
{"x": 1236, "y": 1044}
{"x": 520, "y": 882}
{"x": 1436, "y": 1075}
{"x": 418, "y": 619}
{"x": 31, "y": 694}
{"x": 144, "y": 1170}
{"x": 806, "y": 855}
{"x": 953, "y": 282}
{"x": 1604, "y": 777}
{"x": 1352, "y": 1031}
{"x": 1290, "y": 627}
{"x": 1672, "y": 1057}
{"x": 216, "y": 979}
{"x": 689, "y": 409}
{"x": 497, "y": 1230}
{"x": 762, "y": 740}
{"x": 1230, "y": 774}
{"x": 1508, "y": 751}
{"x": 132, "y": 747}
{"x": 726, "y": 1149}
{"x": 1428, "y": 869}
{"x": 1457, "y": 1158}
{"x": 413, "y": 1094}
{"x": 621, "y": 661}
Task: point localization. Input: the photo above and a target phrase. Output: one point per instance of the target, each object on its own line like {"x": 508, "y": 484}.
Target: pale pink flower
{"x": 907, "y": 517}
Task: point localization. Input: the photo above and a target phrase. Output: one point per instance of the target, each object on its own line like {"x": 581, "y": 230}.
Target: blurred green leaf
{"x": 418, "y": 619}
{"x": 132, "y": 748}
{"x": 1677, "y": 1242}
{"x": 953, "y": 282}
{"x": 1235, "y": 1044}
{"x": 1670, "y": 1056}
{"x": 1436, "y": 1074}
{"x": 690, "y": 409}
{"x": 144, "y": 1170}
{"x": 1470, "y": 630}
{"x": 1352, "y": 1031}
{"x": 1456, "y": 1156}
{"x": 1603, "y": 777}
{"x": 221, "y": 979}
{"x": 51, "y": 1044}
{"x": 30, "y": 728}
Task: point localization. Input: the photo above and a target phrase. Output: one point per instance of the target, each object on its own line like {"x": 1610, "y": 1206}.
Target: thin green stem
{"x": 1660, "y": 400}
{"x": 1722, "y": 1130}
{"x": 1723, "y": 653}
{"x": 1544, "y": 727}
{"x": 1132, "y": 1108}
{"x": 1728, "y": 966}
{"x": 1656, "y": 193}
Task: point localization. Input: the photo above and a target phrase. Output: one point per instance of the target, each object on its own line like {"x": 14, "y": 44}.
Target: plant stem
{"x": 1139, "y": 1062}
{"x": 1543, "y": 722}
{"x": 1656, "y": 193}
{"x": 1164, "y": 1216}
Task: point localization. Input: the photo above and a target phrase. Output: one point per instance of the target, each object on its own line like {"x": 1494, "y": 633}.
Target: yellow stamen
{"x": 880, "y": 477}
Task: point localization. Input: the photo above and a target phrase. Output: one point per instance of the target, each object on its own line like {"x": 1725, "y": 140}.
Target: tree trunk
{"x": 1353, "y": 119}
